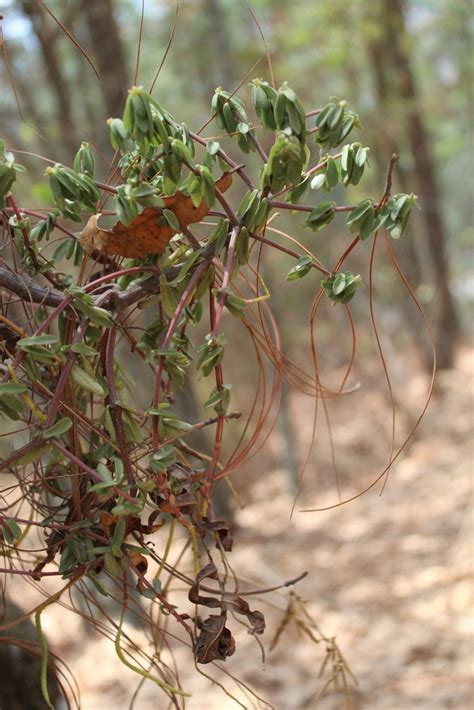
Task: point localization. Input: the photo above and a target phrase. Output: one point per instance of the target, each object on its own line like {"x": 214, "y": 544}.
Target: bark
{"x": 47, "y": 39}
{"x": 289, "y": 455}
{"x": 25, "y": 93}
{"x": 289, "y": 450}
{"x": 219, "y": 41}
{"x": 20, "y": 665}
{"x": 446, "y": 322}
{"x": 389, "y": 143}
{"x": 209, "y": 47}
{"x": 109, "y": 53}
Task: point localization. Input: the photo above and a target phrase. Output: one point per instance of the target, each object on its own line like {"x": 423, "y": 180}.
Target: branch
{"x": 388, "y": 180}
{"x": 27, "y": 290}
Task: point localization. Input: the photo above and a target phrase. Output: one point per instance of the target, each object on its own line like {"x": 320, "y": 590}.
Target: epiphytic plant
{"x": 97, "y": 471}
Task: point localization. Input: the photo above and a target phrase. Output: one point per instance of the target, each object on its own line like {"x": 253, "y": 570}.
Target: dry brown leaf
{"x": 215, "y": 641}
{"x": 107, "y": 521}
{"x": 144, "y": 235}
{"x": 140, "y": 562}
{"x": 226, "y": 601}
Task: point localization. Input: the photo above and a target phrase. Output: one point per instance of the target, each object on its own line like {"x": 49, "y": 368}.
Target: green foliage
{"x": 84, "y": 161}
{"x": 301, "y": 268}
{"x": 164, "y": 458}
{"x": 253, "y": 209}
{"x": 92, "y": 444}
{"x": 61, "y": 427}
{"x": 394, "y": 215}
{"x": 322, "y": 215}
{"x": 8, "y": 170}
{"x": 286, "y": 162}
{"x": 334, "y": 123}
{"x": 10, "y": 530}
{"x": 231, "y": 116}
{"x": 43, "y": 228}
{"x": 211, "y": 353}
{"x": 72, "y": 192}
{"x": 169, "y": 423}
{"x": 362, "y": 218}
{"x": 219, "y": 399}
{"x": 353, "y": 161}
{"x": 120, "y": 138}
{"x": 263, "y": 99}
{"x": 341, "y": 287}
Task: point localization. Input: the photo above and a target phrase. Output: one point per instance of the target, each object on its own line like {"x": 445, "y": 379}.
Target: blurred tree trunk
{"x": 20, "y": 665}
{"x": 109, "y": 53}
{"x": 209, "y": 45}
{"x": 387, "y": 145}
{"x": 47, "y": 39}
{"x": 386, "y": 136}
{"x": 446, "y": 323}
{"x": 24, "y": 88}
{"x": 289, "y": 450}
{"x": 289, "y": 458}
{"x": 219, "y": 40}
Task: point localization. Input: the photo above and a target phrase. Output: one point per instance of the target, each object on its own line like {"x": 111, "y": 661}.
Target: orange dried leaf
{"x": 107, "y": 520}
{"x": 138, "y": 561}
{"x": 184, "y": 209}
{"x": 144, "y": 235}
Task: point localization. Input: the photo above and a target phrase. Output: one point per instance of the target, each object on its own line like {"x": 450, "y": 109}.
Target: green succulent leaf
{"x": 59, "y": 428}
{"x": 341, "y": 287}
{"x": 322, "y": 214}
{"x": 301, "y": 268}
{"x": 219, "y": 399}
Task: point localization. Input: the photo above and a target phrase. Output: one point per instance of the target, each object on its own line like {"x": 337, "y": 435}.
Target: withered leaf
{"x": 215, "y": 641}
{"x": 185, "y": 500}
{"x": 9, "y": 339}
{"x": 210, "y": 571}
{"x": 151, "y": 526}
{"x": 145, "y": 235}
{"x": 140, "y": 562}
{"x": 226, "y": 601}
{"x": 109, "y": 521}
{"x": 240, "y": 606}
{"x": 221, "y": 529}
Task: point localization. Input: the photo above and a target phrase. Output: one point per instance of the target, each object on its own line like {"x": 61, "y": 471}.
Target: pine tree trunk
{"x": 20, "y": 665}
{"x": 446, "y": 322}
{"x": 389, "y": 143}
{"x": 109, "y": 53}
{"x": 46, "y": 35}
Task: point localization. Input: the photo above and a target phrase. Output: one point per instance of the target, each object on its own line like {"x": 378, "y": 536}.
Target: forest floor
{"x": 389, "y": 576}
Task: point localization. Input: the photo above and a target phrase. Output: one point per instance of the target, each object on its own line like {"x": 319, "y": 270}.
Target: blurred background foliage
{"x": 405, "y": 67}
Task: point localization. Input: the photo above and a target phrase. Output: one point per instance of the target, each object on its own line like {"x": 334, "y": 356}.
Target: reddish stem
{"x": 226, "y": 279}
{"x": 116, "y": 410}
{"x": 26, "y": 239}
{"x": 169, "y": 334}
{"x": 220, "y": 419}
{"x": 64, "y": 376}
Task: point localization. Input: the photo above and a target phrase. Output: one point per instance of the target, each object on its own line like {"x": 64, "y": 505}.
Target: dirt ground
{"x": 389, "y": 576}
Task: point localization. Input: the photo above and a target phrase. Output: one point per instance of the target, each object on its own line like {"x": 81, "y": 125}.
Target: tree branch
{"x": 27, "y": 290}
